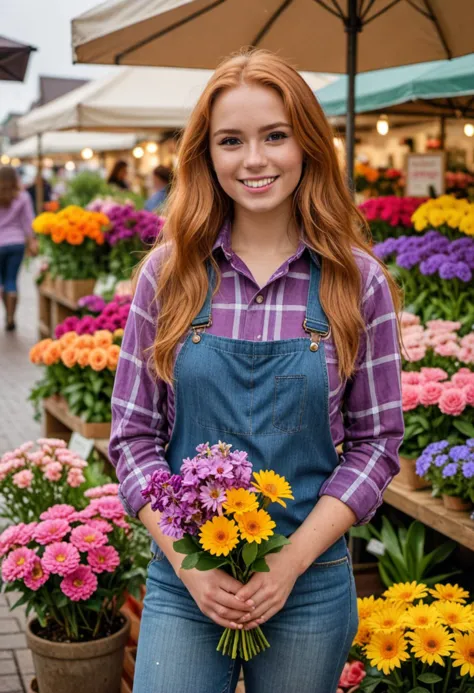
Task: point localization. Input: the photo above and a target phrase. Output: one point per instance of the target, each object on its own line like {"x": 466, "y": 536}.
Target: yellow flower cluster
{"x": 445, "y": 210}
{"x": 97, "y": 351}
{"x": 221, "y": 535}
{"x": 72, "y": 225}
{"x": 389, "y": 626}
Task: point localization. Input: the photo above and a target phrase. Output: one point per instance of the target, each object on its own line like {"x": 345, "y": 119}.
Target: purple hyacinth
{"x": 468, "y": 470}
{"x": 409, "y": 259}
{"x": 450, "y": 470}
{"x": 433, "y": 263}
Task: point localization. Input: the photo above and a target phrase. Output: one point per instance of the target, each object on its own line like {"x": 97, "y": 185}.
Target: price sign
{"x": 375, "y": 547}
{"x": 80, "y": 445}
{"x": 424, "y": 173}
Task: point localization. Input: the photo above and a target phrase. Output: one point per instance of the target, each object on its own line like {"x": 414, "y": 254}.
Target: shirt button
{"x": 259, "y": 298}
{"x": 259, "y": 336}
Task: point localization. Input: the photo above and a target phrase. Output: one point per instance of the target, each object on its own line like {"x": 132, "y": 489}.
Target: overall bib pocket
{"x": 289, "y": 402}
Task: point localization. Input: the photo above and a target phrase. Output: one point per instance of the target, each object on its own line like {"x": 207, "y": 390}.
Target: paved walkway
{"x": 17, "y": 425}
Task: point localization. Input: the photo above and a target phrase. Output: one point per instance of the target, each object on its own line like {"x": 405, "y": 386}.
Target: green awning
{"x": 437, "y": 88}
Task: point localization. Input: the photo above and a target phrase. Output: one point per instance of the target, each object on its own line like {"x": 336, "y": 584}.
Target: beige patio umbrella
{"x": 342, "y": 36}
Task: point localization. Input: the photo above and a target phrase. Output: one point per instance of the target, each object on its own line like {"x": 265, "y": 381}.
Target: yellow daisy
{"x": 219, "y": 536}
{"x": 387, "y": 619}
{"x": 367, "y": 605}
{"x": 449, "y": 593}
{"x": 255, "y": 525}
{"x": 387, "y": 651}
{"x": 463, "y": 653}
{"x": 455, "y": 615}
{"x": 363, "y": 634}
{"x": 272, "y": 486}
{"x": 240, "y": 501}
{"x": 431, "y": 644}
{"x": 405, "y": 592}
{"x": 421, "y": 616}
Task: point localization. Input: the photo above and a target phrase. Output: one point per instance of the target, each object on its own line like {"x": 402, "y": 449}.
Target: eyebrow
{"x": 265, "y": 128}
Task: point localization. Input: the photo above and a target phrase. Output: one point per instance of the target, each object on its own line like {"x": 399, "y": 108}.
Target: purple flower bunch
{"x": 92, "y": 304}
{"x": 432, "y": 253}
{"x": 127, "y": 222}
{"x": 189, "y": 499}
{"x": 112, "y": 317}
{"x": 450, "y": 468}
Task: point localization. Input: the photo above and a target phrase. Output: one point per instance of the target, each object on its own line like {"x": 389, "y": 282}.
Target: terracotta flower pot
{"x": 456, "y": 503}
{"x": 408, "y": 477}
{"x": 95, "y": 666}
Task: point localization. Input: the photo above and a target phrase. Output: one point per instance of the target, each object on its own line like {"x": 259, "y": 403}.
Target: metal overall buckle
{"x": 316, "y": 336}
{"x": 197, "y": 329}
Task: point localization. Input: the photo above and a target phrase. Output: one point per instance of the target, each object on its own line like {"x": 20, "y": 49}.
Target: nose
{"x": 255, "y": 157}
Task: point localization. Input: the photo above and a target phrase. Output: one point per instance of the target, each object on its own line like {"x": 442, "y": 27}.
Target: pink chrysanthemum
{"x": 108, "y": 507}
{"x": 104, "y": 559}
{"x": 122, "y": 523}
{"x": 61, "y": 511}
{"x": 85, "y": 515}
{"x": 53, "y": 471}
{"x": 23, "y": 478}
{"x": 51, "y": 530}
{"x": 86, "y": 537}
{"x": 52, "y": 442}
{"x": 61, "y": 558}
{"x": 17, "y": 564}
{"x": 101, "y": 525}
{"x": 80, "y": 584}
{"x": 100, "y": 491}
{"x": 37, "y": 576}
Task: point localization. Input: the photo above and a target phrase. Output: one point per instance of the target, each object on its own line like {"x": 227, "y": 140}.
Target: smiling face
{"x": 256, "y": 157}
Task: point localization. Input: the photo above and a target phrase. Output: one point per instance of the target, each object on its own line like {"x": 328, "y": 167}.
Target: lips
{"x": 259, "y": 182}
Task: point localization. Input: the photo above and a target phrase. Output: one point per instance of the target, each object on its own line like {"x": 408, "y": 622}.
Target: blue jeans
{"x": 310, "y": 637}
{"x": 10, "y": 261}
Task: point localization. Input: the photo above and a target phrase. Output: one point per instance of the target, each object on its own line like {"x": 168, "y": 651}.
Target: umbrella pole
{"x": 39, "y": 176}
{"x": 353, "y": 26}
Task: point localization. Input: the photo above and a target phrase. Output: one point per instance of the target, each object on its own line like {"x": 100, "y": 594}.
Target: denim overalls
{"x": 270, "y": 399}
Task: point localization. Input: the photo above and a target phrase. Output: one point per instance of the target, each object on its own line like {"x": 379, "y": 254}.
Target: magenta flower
{"x": 37, "y": 576}
{"x": 18, "y": 564}
{"x": 61, "y": 511}
{"x": 100, "y": 491}
{"x": 80, "y": 584}
{"x": 14, "y": 536}
{"x": 101, "y": 526}
{"x": 51, "y": 530}
{"x": 75, "y": 477}
{"x": 108, "y": 507}
{"x": 212, "y": 497}
{"x": 104, "y": 559}
{"x": 61, "y": 558}
{"x": 86, "y": 537}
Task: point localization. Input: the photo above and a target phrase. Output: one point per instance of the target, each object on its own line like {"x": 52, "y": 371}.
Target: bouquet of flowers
{"x": 419, "y": 262}
{"x": 434, "y": 405}
{"x": 450, "y": 215}
{"x": 218, "y": 516}
{"x": 416, "y": 638}
{"x": 438, "y": 345}
{"x": 81, "y": 368}
{"x": 449, "y": 468}
{"x": 389, "y": 216}
{"x": 111, "y": 316}
{"x": 73, "y": 242}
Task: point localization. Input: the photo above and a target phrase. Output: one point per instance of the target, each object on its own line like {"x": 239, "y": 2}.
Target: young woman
{"x": 118, "y": 175}
{"x": 262, "y": 320}
{"x": 16, "y": 216}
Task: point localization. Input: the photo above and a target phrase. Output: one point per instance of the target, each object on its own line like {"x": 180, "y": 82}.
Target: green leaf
{"x": 186, "y": 545}
{"x": 260, "y": 566}
{"x": 415, "y": 549}
{"x": 190, "y": 561}
{"x": 362, "y": 532}
{"x": 23, "y": 599}
{"x": 431, "y": 581}
{"x": 95, "y": 605}
{"x": 387, "y": 581}
{"x": 464, "y": 427}
{"x": 391, "y": 543}
{"x": 249, "y": 553}
{"x": 370, "y": 683}
{"x": 439, "y": 555}
{"x": 89, "y": 400}
{"x": 61, "y": 601}
{"x": 429, "y": 678}
{"x": 272, "y": 545}
{"x": 419, "y": 689}
{"x": 207, "y": 562}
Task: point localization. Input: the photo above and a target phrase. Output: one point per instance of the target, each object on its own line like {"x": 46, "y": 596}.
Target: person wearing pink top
{"x": 16, "y": 216}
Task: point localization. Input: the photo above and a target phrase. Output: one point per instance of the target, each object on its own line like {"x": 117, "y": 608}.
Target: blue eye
{"x": 230, "y": 141}
{"x": 276, "y": 136}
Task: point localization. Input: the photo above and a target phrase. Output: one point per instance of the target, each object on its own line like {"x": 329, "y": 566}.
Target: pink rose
{"x": 461, "y": 378}
{"x": 443, "y": 325}
{"x": 53, "y": 471}
{"x": 430, "y": 393}
{"x": 415, "y": 353}
{"x": 352, "y": 674}
{"x": 411, "y": 378}
{"x": 447, "y": 349}
{"x": 452, "y": 402}
{"x": 408, "y": 319}
{"x": 23, "y": 479}
{"x": 469, "y": 393}
{"x": 410, "y": 396}
{"x": 433, "y": 374}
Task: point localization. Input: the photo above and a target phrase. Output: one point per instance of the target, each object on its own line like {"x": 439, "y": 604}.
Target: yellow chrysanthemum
{"x": 255, "y": 526}
{"x": 406, "y": 592}
{"x": 387, "y": 619}
{"x": 272, "y": 486}
{"x": 219, "y": 536}
{"x": 431, "y": 644}
{"x": 240, "y": 501}
{"x": 387, "y": 651}
{"x": 455, "y": 615}
{"x": 421, "y": 616}
{"x": 449, "y": 593}
{"x": 363, "y": 635}
{"x": 367, "y": 605}
{"x": 463, "y": 654}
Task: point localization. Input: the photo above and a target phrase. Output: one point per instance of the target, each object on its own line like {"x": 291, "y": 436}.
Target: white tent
{"x": 71, "y": 143}
{"x": 130, "y": 99}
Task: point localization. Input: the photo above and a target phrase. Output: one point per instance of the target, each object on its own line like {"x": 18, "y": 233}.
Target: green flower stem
{"x": 397, "y": 679}
{"x": 243, "y": 636}
{"x": 413, "y": 668}
{"x": 236, "y": 644}
{"x": 463, "y": 683}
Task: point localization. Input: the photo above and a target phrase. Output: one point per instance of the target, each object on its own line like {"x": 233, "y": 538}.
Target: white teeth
{"x": 259, "y": 183}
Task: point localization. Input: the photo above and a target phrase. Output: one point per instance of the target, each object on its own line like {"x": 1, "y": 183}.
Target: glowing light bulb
{"x": 469, "y": 129}
{"x": 87, "y": 153}
{"x": 138, "y": 152}
{"x": 382, "y": 125}
{"x": 152, "y": 147}
{"x": 70, "y": 166}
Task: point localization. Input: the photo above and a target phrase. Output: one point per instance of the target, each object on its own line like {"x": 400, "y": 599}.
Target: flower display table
{"x": 60, "y": 423}
{"x": 56, "y": 305}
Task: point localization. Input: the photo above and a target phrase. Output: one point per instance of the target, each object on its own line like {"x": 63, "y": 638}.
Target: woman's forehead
{"x": 249, "y": 103}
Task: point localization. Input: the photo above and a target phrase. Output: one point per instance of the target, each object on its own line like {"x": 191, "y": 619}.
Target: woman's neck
{"x": 272, "y": 233}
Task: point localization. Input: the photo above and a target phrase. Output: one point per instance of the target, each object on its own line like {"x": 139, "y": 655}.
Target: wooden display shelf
{"x": 53, "y": 309}
{"x": 423, "y": 507}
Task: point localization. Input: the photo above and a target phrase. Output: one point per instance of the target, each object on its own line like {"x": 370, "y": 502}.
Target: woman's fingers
{"x": 230, "y": 602}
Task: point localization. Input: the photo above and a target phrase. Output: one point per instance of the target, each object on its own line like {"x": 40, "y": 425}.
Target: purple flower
{"x": 448, "y": 270}
{"x": 222, "y": 469}
{"x": 459, "y": 452}
{"x": 433, "y": 263}
{"x": 423, "y": 463}
{"x": 212, "y": 496}
{"x": 470, "y": 442}
{"x": 450, "y": 470}
{"x": 463, "y": 272}
{"x": 171, "y": 523}
{"x": 440, "y": 460}
{"x": 468, "y": 470}
{"x": 433, "y": 448}
{"x": 408, "y": 260}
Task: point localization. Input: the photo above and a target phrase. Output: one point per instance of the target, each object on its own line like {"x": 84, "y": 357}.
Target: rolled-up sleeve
{"x": 372, "y": 409}
{"x": 139, "y": 399}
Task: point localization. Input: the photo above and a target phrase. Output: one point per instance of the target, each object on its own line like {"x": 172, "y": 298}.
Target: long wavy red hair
{"x": 198, "y": 206}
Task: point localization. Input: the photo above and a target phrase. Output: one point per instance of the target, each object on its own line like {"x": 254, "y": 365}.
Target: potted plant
{"x": 450, "y": 469}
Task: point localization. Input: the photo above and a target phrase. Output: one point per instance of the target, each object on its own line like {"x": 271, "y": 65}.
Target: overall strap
{"x": 316, "y": 322}
{"x": 204, "y": 317}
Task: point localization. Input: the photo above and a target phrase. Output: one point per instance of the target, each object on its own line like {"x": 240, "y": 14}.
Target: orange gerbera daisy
{"x": 113, "y": 353}
{"x": 98, "y": 359}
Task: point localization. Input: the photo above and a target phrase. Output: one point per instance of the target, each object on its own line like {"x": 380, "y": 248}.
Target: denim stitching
{"x": 226, "y": 688}
{"x": 302, "y": 398}
{"x": 343, "y": 650}
{"x": 328, "y": 564}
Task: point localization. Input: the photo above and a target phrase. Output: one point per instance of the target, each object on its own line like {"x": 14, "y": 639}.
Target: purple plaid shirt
{"x": 365, "y": 412}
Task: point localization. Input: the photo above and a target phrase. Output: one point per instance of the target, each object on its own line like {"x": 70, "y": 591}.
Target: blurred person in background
{"x": 31, "y": 190}
{"x": 16, "y": 236}
{"x": 161, "y": 186}
{"x": 119, "y": 174}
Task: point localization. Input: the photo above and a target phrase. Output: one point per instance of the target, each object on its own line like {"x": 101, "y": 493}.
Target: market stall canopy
{"x": 133, "y": 98}
{"x": 14, "y": 59}
{"x": 443, "y": 88}
{"x": 70, "y": 143}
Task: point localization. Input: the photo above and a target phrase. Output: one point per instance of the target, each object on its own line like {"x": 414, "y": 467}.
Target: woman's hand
{"x": 269, "y": 591}
{"x": 214, "y": 592}
{"x": 32, "y": 247}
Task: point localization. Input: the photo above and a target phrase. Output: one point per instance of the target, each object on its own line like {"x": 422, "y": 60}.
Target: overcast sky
{"x": 45, "y": 24}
